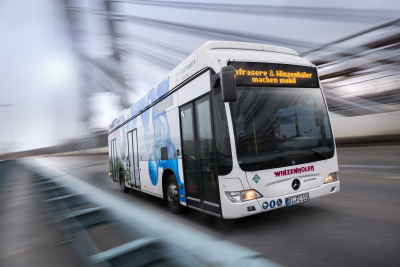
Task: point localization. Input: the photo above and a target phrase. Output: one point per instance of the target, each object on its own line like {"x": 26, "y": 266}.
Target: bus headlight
{"x": 331, "y": 178}
{"x": 234, "y": 197}
{"x": 241, "y": 196}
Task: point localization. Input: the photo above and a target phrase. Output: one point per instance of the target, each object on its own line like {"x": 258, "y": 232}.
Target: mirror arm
{"x": 216, "y": 80}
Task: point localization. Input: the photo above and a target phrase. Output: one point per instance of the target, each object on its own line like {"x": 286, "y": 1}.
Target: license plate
{"x": 297, "y": 199}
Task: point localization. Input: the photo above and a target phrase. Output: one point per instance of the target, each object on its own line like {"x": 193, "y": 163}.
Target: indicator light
{"x": 241, "y": 196}
{"x": 331, "y": 178}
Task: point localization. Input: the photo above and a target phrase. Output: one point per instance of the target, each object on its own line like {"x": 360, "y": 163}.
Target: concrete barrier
{"x": 382, "y": 124}
{"x": 99, "y": 150}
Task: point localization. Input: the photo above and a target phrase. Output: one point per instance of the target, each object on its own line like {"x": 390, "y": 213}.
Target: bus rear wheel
{"x": 173, "y": 195}
{"x": 122, "y": 182}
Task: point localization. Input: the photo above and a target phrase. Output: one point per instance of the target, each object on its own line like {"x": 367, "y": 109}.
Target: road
{"x": 360, "y": 226}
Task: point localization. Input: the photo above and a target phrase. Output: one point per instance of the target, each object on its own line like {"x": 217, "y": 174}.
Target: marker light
{"x": 331, "y": 178}
{"x": 241, "y": 196}
{"x": 110, "y": 173}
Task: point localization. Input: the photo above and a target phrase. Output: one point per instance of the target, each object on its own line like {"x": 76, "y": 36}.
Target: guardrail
{"x": 4, "y": 176}
{"x": 143, "y": 238}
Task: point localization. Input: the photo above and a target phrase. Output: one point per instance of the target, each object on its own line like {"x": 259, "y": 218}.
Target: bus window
{"x": 222, "y": 139}
{"x": 258, "y": 111}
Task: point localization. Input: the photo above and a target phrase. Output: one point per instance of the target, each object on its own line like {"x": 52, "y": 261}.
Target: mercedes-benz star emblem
{"x": 296, "y": 184}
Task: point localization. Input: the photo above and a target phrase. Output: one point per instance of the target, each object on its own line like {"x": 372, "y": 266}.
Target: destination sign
{"x": 270, "y": 74}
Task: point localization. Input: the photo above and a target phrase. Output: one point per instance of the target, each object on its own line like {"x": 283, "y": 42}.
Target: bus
{"x": 236, "y": 129}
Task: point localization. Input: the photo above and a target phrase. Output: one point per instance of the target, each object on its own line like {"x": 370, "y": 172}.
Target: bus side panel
{"x": 148, "y": 162}
{"x": 169, "y": 148}
{"x": 194, "y": 89}
{"x": 182, "y": 192}
{"x": 159, "y": 145}
{"x": 145, "y": 179}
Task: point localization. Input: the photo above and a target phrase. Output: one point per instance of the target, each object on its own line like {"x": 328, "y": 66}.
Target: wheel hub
{"x": 172, "y": 193}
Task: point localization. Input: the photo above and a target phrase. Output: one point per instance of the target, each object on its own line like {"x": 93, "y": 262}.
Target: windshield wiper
{"x": 283, "y": 150}
{"x": 308, "y": 149}
{"x": 317, "y": 153}
{"x": 258, "y": 166}
{"x": 262, "y": 164}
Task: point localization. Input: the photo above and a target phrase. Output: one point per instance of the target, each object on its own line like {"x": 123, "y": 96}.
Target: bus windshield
{"x": 276, "y": 127}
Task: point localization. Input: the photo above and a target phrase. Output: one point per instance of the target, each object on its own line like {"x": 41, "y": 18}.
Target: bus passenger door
{"x": 133, "y": 159}
{"x": 136, "y": 158}
{"x": 201, "y": 180}
{"x": 113, "y": 160}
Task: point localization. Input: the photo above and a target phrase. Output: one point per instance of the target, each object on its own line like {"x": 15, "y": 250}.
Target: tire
{"x": 122, "y": 182}
{"x": 172, "y": 195}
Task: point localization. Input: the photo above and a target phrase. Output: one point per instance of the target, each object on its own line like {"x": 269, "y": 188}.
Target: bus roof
{"x": 208, "y": 55}
{"x": 213, "y": 45}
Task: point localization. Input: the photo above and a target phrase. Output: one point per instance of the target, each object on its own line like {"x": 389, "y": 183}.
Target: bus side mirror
{"x": 227, "y": 79}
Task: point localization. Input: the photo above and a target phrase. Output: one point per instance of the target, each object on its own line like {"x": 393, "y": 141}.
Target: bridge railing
{"x": 107, "y": 231}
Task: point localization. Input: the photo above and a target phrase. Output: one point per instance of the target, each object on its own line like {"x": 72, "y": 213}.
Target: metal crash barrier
{"x": 4, "y": 176}
{"x": 105, "y": 230}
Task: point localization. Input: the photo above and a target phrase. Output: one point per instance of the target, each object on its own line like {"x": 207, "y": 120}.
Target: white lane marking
{"x": 370, "y": 166}
{"x": 16, "y": 252}
{"x": 391, "y": 177}
{"x": 387, "y": 171}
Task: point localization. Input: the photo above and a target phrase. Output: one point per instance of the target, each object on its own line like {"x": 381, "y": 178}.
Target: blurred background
{"x": 68, "y": 67}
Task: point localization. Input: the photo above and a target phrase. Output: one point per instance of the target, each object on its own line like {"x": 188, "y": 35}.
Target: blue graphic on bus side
{"x": 272, "y": 204}
{"x": 265, "y": 205}
{"x": 157, "y": 134}
{"x": 162, "y": 138}
{"x": 279, "y": 202}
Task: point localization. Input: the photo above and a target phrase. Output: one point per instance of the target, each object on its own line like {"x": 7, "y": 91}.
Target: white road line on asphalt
{"x": 370, "y": 166}
{"x": 16, "y": 252}
{"x": 387, "y": 171}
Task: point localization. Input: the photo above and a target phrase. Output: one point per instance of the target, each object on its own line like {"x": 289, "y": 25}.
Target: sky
{"x": 37, "y": 74}
{"x": 40, "y": 85}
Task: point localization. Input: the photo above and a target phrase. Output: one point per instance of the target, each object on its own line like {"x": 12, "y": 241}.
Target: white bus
{"x": 236, "y": 129}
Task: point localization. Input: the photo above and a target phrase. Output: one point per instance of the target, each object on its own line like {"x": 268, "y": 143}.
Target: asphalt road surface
{"x": 360, "y": 226}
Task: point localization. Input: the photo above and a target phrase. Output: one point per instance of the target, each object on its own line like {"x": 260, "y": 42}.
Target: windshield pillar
{"x": 223, "y": 133}
{"x": 232, "y": 135}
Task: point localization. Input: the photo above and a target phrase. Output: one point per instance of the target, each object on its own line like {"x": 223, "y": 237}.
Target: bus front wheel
{"x": 173, "y": 195}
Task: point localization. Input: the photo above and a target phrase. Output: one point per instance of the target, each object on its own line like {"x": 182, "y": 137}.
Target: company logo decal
{"x": 188, "y": 66}
{"x": 279, "y": 202}
{"x": 297, "y": 170}
{"x": 265, "y": 205}
{"x": 256, "y": 178}
{"x": 296, "y": 184}
{"x": 272, "y": 204}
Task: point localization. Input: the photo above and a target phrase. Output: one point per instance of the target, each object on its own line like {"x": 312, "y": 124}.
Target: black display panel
{"x": 275, "y": 75}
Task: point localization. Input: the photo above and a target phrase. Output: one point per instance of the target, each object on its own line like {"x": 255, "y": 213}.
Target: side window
{"x": 222, "y": 139}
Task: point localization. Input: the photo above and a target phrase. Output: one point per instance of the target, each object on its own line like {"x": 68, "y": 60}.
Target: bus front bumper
{"x": 238, "y": 210}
